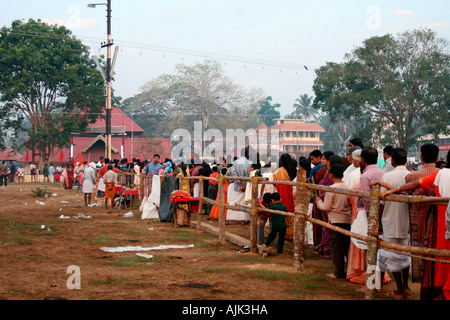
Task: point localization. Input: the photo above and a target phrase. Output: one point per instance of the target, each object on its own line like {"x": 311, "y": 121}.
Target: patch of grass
{"x": 253, "y": 259}
{"x": 134, "y": 261}
{"x": 113, "y": 282}
{"x": 99, "y": 240}
{"x": 22, "y": 227}
{"x": 19, "y": 239}
{"x": 219, "y": 270}
{"x": 268, "y": 275}
{"x": 41, "y": 192}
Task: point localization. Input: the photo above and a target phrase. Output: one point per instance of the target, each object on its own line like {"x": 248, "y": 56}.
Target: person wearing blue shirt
{"x": 154, "y": 166}
{"x": 316, "y": 159}
{"x": 51, "y": 173}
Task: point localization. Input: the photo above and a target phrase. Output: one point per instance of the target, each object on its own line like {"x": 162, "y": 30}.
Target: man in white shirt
{"x": 241, "y": 168}
{"x": 387, "y": 155}
{"x": 395, "y": 224}
{"x": 352, "y": 166}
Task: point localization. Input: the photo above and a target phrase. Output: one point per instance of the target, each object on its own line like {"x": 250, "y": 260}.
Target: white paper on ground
{"x": 144, "y": 255}
{"x": 138, "y": 248}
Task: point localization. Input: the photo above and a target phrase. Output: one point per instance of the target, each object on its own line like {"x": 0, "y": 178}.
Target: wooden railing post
{"x": 372, "y": 245}
{"x": 141, "y": 186}
{"x": 301, "y": 210}
{"x": 200, "y": 204}
{"x": 222, "y": 222}
{"x": 254, "y": 216}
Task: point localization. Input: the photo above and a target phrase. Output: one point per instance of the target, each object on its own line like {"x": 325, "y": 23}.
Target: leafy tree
{"x": 401, "y": 82}
{"x": 268, "y": 112}
{"x": 201, "y": 92}
{"x": 48, "y": 78}
{"x": 303, "y": 109}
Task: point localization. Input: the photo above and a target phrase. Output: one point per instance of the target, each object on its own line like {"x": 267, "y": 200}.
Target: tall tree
{"x": 201, "y": 92}
{"x": 303, "y": 108}
{"x": 403, "y": 83}
{"x": 268, "y": 112}
{"x": 47, "y": 77}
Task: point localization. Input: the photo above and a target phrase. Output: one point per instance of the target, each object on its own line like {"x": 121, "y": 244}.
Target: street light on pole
{"x": 108, "y": 75}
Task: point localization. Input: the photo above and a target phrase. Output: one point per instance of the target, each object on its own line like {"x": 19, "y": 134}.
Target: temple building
{"x": 127, "y": 141}
{"x": 297, "y": 136}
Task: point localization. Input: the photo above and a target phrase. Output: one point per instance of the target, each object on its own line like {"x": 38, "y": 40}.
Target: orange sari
{"x": 215, "y": 209}
{"x": 287, "y": 198}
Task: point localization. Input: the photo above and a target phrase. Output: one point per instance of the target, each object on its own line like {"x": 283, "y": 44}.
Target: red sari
{"x": 287, "y": 198}
{"x": 67, "y": 178}
{"x": 442, "y": 270}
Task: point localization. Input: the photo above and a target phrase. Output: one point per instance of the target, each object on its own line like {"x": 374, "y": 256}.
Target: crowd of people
{"x": 362, "y": 167}
{"x": 400, "y": 223}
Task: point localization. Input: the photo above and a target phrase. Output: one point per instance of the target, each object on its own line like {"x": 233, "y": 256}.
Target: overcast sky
{"x": 248, "y": 37}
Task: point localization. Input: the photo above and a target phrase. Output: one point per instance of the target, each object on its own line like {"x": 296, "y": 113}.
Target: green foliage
{"x": 201, "y": 92}
{"x": 395, "y": 89}
{"x": 303, "y": 109}
{"x": 41, "y": 192}
{"x": 268, "y": 112}
{"x": 48, "y": 78}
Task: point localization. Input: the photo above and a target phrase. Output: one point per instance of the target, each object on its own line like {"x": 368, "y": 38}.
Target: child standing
{"x": 340, "y": 215}
{"x": 266, "y": 201}
{"x": 278, "y": 223}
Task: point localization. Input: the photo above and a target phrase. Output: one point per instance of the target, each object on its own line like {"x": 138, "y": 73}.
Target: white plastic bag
{"x": 360, "y": 226}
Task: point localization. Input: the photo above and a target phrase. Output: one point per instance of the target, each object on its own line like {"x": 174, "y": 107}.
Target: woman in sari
{"x": 328, "y": 159}
{"x": 215, "y": 209}
{"x": 286, "y": 172}
{"x": 67, "y": 177}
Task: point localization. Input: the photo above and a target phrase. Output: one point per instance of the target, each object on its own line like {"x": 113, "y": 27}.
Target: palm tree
{"x": 304, "y": 109}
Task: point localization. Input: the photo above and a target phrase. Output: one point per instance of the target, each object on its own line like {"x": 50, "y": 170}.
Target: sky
{"x": 266, "y": 44}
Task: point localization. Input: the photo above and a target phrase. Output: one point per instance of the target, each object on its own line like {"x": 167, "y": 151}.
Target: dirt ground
{"x": 39, "y": 249}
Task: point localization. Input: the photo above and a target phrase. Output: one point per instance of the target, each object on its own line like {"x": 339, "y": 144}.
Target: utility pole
{"x": 108, "y": 75}
{"x": 108, "y": 81}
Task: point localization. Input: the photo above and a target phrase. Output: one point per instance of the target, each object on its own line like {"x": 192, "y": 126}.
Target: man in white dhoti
{"x": 241, "y": 168}
{"x": 89, "y": 177}
{"x": 395, "y": 224}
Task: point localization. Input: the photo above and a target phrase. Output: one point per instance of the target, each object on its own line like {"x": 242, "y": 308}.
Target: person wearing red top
{"x": 101, "y": 184}
{"x": 212, "y": 189}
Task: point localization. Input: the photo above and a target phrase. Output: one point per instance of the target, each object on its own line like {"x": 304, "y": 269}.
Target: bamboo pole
{"x": 200, "y": 204}
{"x": 372, "y": 246}
{"x": 254, "y": 216}
{"x": 221, "y": 206}
{"x": 141, "y": 186}
{"x": 301, "y": 210}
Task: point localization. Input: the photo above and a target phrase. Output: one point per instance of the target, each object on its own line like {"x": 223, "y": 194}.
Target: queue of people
{"x": 419, "y": 224}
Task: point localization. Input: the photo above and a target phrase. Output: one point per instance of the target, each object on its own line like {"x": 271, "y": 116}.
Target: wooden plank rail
{"x": 303, "y": 192}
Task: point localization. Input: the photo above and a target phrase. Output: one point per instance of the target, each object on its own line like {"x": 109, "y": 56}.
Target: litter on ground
{"x": 138, "y": 248}
{"x": 144, "y": 255}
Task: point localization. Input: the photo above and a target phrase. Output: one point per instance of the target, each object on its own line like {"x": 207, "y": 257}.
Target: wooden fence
{"x": 303, "y": 192}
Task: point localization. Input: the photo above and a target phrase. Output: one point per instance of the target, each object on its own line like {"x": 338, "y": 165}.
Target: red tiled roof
{"x": 118, "y": 119}
{"x": 9, "y": 154}
{"x": 299, "y": 126}
{"x": 262, "y": 126}
{"x": 80, "y": 143}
